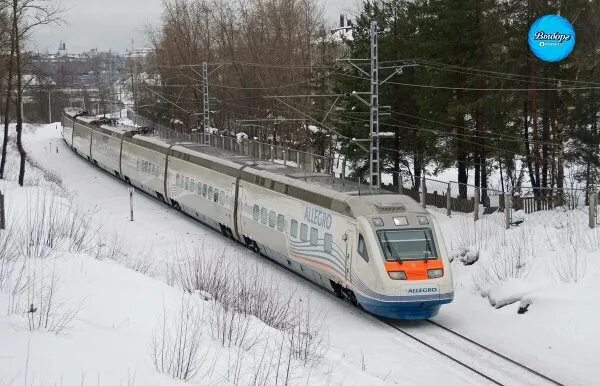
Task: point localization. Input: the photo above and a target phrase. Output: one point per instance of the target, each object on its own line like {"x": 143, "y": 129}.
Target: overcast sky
{"x": 112, "y": 24}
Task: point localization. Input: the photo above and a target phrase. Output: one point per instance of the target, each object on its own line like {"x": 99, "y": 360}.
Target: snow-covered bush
{"x": 306, "y": 340}
{"x": 52, "y": 224}
{"x": 569, "y": 266}
{"x": 512, "y": 256}
{"x": 177, "y": 342}
{"x": 239, "y": 293}
{"x": 44, "y": 305}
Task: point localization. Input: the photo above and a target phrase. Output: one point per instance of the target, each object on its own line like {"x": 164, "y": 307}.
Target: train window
{"x": 272, "y": 219}
{"x": 294, "y": 228}
{"x": 280, "y": 223}
{"x": 204, "y": 189}
{"x": 177, "y": 178}
{"x": 210, "y": 193}
{"x": 328, "y": 242}
{"x": 187, "y": 183}
{"x": 303, "y": 232}
{"x": 216, "y": 197}
{"x": 256, "y": 212}
{"x": 199, "y": 189}
{"x": 362, "y": 248}
{"x": 264, "y": 215}
{"x": 314, "y": 237}
{"x": 192, "y": 185}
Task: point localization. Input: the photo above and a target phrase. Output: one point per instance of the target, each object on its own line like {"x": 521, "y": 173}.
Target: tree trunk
{"x": 9, "y": 89}
{"x": 545, "y": 139}
{"x": 418, "y": 166}
{"x": 19, "y": 86}
{"x": 461, "y": 157}
{"x": 534, "y": 182}
{"x": 396, "y": 156}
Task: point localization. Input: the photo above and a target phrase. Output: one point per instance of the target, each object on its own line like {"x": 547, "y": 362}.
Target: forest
{"x": 469, "y": 94}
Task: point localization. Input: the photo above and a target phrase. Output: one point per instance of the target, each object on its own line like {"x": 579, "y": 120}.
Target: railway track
{"x": 492, "y": 366}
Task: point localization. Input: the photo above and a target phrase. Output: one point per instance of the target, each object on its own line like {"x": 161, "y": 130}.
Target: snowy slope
{"x": 547, "y": 266}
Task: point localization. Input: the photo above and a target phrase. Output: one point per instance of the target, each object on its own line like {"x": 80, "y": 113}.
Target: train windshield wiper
{"x": 427, "y": 246}
{"x": 391, "y": 248}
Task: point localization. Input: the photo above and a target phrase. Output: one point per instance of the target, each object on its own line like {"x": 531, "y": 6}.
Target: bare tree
{"x": 9, "y": 88}
{"x": 26, "y": 15}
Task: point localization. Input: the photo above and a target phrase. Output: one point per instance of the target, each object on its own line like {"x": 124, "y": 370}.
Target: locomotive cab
{"x": 402, "y": 270}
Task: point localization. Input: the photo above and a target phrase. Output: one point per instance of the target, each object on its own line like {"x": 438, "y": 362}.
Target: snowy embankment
{"x": 88, "y": 297}
{"x": 532, "y": 292}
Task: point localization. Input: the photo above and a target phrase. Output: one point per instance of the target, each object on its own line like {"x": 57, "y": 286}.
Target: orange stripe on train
{"x": 415, "y": 270}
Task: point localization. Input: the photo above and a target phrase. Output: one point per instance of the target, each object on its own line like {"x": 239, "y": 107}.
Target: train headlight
{"x": 397, "y": 275}
{"x": 378, "y": 221}
{"x": 398, "y": 221}
{"x": 423, "y": 220}
{"x": 435, "y": 273}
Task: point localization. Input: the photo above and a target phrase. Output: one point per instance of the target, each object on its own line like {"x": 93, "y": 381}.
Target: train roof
{"x": 343, "y": 196}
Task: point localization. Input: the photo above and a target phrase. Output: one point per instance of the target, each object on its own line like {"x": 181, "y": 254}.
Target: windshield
{"x": 407, "y": 244}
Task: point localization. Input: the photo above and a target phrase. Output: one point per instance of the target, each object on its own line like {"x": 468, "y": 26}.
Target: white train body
{"x": 380, "y": 251}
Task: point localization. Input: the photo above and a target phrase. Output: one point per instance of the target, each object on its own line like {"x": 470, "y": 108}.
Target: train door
{"x": 349, "y": 249}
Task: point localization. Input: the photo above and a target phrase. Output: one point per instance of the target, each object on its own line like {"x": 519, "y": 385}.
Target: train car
{"x": 106, "y": 149}
{"x": 203, "y": 187}
{"x": 67, "y": 122}
{"x": 143, "y": 164}
{"x": 380, "y": 251}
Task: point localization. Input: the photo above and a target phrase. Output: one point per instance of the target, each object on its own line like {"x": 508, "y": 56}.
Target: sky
{"x": 112, "y": 24}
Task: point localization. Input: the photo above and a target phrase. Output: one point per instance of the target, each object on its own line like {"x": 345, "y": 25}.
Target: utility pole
{"x": 49, "y": 108}
{"x": 375, "y": 172}
{"x": 205, "y": 102}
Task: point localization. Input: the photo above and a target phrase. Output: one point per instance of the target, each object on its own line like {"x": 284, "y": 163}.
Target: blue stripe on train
{"x": 418, "y": 309}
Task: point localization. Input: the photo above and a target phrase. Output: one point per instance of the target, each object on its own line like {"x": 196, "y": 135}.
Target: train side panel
{"x": 202, "y": 193}
{"x": 67, "y": 127}
{"x": 106, "y": 151}
{"x": 308, "y": 240}
{"x": 143, "y": 168}
{"x": 82, "y": 135}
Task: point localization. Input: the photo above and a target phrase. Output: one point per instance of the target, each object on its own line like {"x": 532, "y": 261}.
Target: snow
{"x": 314, "y": 129}
{"x": 530, "y": 292}
{"x": 122, "y": 301}
{"x": 509, "y": 292}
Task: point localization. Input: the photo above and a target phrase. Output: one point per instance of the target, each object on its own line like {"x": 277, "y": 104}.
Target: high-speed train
{"x": 380, "y": 251}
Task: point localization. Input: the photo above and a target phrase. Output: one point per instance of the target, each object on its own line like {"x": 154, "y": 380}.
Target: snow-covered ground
{"x": 121, "y": 298}
{"x": 548, "y": 269}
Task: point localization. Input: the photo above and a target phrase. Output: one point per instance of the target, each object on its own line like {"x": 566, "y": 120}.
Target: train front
{"x": 402, "y": 270}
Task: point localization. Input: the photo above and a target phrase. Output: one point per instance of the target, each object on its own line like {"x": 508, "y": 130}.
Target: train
{"x": 379, "y": 250}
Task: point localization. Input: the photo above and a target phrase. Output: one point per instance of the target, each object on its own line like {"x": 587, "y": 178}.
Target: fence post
{"x": 400, "y": 184}
{"x": 507, "y": 209}
{"x": 2, "y": 214}
{"x": 593, "y": 197}
{"x": 343, "y": 171}
{"x": 260, "y": 151}
{"x": 423, "y": 192}
{"x": 285, "y": 155}
{"x": 476, "y": 205}
{"x": 448, "y": 201}
{"x": 131, "y": 203}
{"x": 272, "y": 154}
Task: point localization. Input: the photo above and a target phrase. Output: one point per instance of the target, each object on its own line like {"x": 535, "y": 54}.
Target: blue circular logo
{"x": 551, "y": 38}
